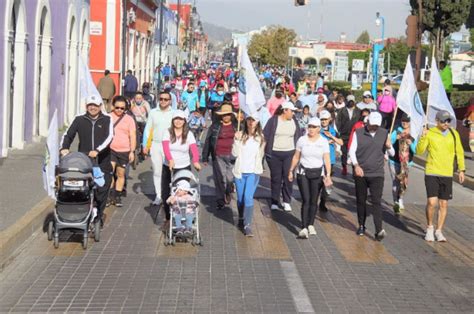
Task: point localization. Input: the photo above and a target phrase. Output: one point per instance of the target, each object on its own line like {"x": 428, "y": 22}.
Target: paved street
{"x": 131, "y": 270}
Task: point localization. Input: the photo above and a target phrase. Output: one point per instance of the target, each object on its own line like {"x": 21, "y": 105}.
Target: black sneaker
{"x": 248, "y": 231}
{"x": 323, "y": 208}
{"x": 361, "y": 231}
{"x": 380, "y": 235}
{"x": 118, "y": 201}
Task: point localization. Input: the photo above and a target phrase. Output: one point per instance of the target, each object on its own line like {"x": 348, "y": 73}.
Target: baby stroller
{"x": 74, "y": 207}
{"x": 172, "y": 233}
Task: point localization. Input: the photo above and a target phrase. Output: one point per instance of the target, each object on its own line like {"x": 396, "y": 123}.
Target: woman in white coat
{"x": 249, "y": 150}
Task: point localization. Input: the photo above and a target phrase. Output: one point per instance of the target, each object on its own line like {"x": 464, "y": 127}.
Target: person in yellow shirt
{"x": 443, "y": 145}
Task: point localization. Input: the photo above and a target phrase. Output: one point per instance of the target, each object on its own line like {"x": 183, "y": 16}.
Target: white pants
{"x": 157, "y": 157}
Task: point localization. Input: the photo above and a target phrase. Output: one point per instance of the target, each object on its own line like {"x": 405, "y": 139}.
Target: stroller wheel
{"x": 97, "y": 230}
{"x": 56, "y": 241}
{"x": 50, "y": 230}
{"x": 85, "y": 240}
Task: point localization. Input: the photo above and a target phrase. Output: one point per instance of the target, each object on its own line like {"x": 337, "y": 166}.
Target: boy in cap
{"x": 367, "y": 152}
{"x": 444, "y": 146}
{"x": 367, "y": 102}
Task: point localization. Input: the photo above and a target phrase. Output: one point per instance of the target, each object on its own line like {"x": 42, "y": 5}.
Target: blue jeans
{"x": 246, "y": 187}
{"x": 189, "y": 220}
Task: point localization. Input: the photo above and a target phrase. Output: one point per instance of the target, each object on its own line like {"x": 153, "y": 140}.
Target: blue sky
{"x": 349, "y": 16}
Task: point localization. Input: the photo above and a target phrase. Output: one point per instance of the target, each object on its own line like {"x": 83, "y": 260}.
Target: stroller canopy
{"x": 75, "y": 165}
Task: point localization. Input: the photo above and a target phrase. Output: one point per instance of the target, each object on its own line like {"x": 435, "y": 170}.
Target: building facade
{"x": 42, "y": 43}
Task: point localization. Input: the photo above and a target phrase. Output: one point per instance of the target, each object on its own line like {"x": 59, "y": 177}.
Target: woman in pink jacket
{"x": 387, "y": 106}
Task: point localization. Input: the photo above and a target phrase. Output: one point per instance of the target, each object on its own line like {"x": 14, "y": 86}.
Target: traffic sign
{"x": 358, "y": 65}
{"x": 293, "y": 51}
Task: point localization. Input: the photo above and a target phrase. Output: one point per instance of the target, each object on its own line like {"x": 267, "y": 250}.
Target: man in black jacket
{"x": 345, "y": 121}
{"x": 95, "y": 131}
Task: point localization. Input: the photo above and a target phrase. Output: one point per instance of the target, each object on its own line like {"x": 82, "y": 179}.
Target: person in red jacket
{"x": 359, "y": 124}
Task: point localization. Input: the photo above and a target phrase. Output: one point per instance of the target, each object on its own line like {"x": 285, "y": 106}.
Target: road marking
{"x": 297, "y": 289}
{"x": 340, "y": 226}
{"x": 267, "y": 242}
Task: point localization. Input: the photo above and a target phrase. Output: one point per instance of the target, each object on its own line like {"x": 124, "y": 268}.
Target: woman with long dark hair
{"x": 281, "y": 133}
{"x": 249, "y": 150}
{"x": 178, "y": 141}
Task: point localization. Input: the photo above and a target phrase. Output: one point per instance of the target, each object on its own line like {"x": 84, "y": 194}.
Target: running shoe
{"x": 361, "y": 231}
{"x": 248, "y": 231}
{"x": 287, "y": 207}
{"x": 380, "y": 235}
{"x": 312, "y": 230}
{"x": 439, "y": 236}
{"x": 429, "y": 236}
{"x": 303, "y": 234}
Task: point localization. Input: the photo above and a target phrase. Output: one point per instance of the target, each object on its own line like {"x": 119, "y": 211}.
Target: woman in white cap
{"x": 177, "y": 142}
{"x": 249, "y": 150}
{"x": 281, "y": 134}
{"x": 312, "y": 154}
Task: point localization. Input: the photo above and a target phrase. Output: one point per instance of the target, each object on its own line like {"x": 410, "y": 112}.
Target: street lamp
{"x": 376, "y": 50}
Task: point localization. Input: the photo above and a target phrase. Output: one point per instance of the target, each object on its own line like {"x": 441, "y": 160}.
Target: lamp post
{"x": 375, "y": 57}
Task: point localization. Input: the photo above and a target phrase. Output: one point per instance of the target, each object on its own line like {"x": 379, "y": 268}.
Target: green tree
{"x": 442, "y": 17}
{"x": 271, "y": 46}
{"x": 364, "y": 55}
{"x": 364, "y": 38}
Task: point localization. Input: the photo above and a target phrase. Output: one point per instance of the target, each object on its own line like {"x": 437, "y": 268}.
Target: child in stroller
{"x": 183, "y": 204}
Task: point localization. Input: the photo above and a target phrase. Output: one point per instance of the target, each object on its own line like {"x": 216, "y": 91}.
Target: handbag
{"x": 312, "y": 173}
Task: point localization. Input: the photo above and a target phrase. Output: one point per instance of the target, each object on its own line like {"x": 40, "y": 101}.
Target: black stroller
{"x": 74, "y": 207}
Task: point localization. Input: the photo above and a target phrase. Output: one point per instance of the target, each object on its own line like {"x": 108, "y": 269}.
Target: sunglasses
{"x": 313, "y": 126}
{"x": 120, "y": 108}
{"x": 164, "y": 99}
{"x": 446, "y": 121}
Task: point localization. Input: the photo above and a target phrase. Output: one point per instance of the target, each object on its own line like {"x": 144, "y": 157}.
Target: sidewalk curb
{"x": 468, "y": 181}
{"x": 14, "y": 236}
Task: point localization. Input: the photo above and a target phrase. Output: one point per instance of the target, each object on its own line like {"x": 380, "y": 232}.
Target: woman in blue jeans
{"x": 249, "y": 150}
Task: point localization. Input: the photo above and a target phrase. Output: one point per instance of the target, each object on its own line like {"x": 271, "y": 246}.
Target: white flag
{"x": 51, "y": 158}
{"x": 437, "y": 98}
{"x": 86, "y": 85}
{"x": 409, "y": 101}
{"x": 251, "y": 97}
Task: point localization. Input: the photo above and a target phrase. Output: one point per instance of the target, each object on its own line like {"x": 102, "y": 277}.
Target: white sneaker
{"x": 429, "y": 234}
{"x": 157, "y": 201}
{"x": 275, "y": 207}
{"x": 303, "y": 233}
{"x": 312, "y": 230}
{"x": 439, "y": 236}
{"x": 400, "y": 204}
{"x": 287, "y": 207}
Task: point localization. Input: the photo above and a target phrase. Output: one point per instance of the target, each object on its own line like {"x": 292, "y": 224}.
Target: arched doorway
{"x": 16, "y": 61}
{"x": 310, "y": 64}
{"x": 325, "y": 65}
{"x": 43, "y": 72}
{"x": 71, "y": 102}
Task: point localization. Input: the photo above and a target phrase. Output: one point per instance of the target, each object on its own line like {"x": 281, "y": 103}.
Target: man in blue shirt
{"x": 130, "y": 85}
{"x": 189, "y": 99}
{"x": 329, "y": 133}
{"x": 216, "y": 99}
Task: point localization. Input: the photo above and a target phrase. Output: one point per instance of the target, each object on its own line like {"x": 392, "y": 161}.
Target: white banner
{"x": 437, "y": 98}
{"x": 51, "y": 159}
{"x": 87, "y": 86}
{"x": 408, "y": 100}
{"x": 251, "y": 97}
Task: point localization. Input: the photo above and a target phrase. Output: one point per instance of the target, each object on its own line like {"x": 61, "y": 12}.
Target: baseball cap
{"x": 405, "y": 118}
{"x": 367, "y": 94}
{"x": 288, "y": 105}
{"x": 93, "y": 100}
{"x": 443, "y": 115}
{"x": 375, "y": 118}
{"x": 314, "y": 121}
{"x": 351, "y": 97}
{"x": 253, "y": 116}
{"x": 320, "y": 90}
{"x": 179, "y": 114}
{"x": 324, "y": 114}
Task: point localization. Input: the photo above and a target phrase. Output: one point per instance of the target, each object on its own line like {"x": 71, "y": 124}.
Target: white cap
{"x": 324, "y": 114}
{"x": 367, "y": 94}
{"x": 93, "y": 100}
{"x": 233, "y": 89}
{"x": 314, "y": 121}
{"x": 179, "y": 114}
{"x": 253, "y": 116}
{"x": 351, "y": 97}
{"x": 183, "y": 185}
{"x": 375, "y": 118}
{"x": 288, "y": 105}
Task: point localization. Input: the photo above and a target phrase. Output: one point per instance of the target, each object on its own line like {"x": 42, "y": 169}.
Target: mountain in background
{"x": 217, "y": 34}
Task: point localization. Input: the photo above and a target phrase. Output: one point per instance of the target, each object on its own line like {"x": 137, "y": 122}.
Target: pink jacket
{"x": 387, "y": 103}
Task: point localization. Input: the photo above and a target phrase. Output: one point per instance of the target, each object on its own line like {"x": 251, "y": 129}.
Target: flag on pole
{"x": 86, "y": 85}
{"x": 51, "y": 158}
{"x": 437, "y": 98}
{"x": 251, "y": 97}
{"x": 408, "y": 100}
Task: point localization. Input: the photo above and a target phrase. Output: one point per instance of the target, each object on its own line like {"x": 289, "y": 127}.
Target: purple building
{"x": 39, "y": 60}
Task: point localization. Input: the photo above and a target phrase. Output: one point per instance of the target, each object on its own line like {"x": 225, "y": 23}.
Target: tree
{"x": 364, "y": 55}
{"x": 271, "y": 46}
{"x": 441, "y": 18}
{"x": 471, "y": 31}
{"x": 364, "y": 38}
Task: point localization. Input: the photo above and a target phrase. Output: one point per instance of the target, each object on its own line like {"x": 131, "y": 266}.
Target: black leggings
{"x": 280, "y": 163}
{"x": 309, "y": 190}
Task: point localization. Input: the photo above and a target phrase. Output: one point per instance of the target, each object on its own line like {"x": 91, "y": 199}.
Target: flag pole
{"x": 238, "y": 119}
{"x": 393, "y": 120}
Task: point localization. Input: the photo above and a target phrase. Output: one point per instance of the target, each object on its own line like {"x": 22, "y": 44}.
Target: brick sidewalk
{"x": 131, "y": 270}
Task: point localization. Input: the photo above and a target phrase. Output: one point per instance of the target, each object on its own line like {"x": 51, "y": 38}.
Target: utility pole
{"x": 178, "y": 9}
{"x": 124, "y": 41}
{"x": 161, "y": 45}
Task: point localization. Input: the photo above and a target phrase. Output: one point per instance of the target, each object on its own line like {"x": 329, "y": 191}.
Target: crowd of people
{"x": 300, "y": 133}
